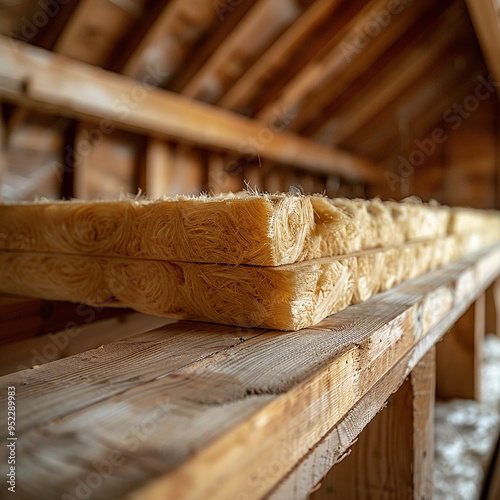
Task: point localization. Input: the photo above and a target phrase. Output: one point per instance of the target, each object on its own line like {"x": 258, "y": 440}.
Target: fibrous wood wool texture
{"x": 283, "y": 262}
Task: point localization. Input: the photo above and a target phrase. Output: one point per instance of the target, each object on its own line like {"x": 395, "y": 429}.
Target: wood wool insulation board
{"x": 282, "y": 262}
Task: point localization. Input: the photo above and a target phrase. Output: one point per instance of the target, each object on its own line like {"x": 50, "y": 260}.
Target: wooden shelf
{"x": 193, "y": 410}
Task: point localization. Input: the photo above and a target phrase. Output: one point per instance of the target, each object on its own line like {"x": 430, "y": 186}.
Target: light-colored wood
{"x": 103, "y": 164}
{"x": 378, "y": 95}
{"x": 485, "y": 20}
{"x": 272, "y": 59}
{"x": 329, "y": 89}
{"x": 458, "y": 356}
{"x": 89, "y": 36}
{"x": 265, "y": 20}
{"x": 160, "y": 169}
{"x": 80, "y": 90}
{"x": 189, "y": 170}
{"x": 393, "y": 456}
{"x": 228, "y": 411}
{"x": 345, "y": 49}
{"x": 75, "y": 338}
{"x": 180, "y": 23}
{"x": 492, "y": 308}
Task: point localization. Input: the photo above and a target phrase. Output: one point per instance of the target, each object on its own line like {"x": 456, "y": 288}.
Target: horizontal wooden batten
{"x": 36, "y": 78}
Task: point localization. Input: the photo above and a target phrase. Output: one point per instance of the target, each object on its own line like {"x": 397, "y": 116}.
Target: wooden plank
{"x": 103, "y": 163}
{"x": 22, "y": 318}
{"x": 393, "y": 456}
{"x": 41, "y": 79}
{"x": 485, "y": 20}
{"x": 308, "y": 473}
{"x": 76, "y": 338}
{"x": 458, "y": 356}
{"x": 234, "y": 419}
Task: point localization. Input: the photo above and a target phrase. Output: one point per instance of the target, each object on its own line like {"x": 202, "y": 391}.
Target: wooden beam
{"x": 390, "y": 83}
{"x": 344, "y": 49}
{"x": 89, "y": 36}
{"x": 493, "y": 308}
{"x": 458, "y": 356}
{"x": 225, "y": 411}
{"x": 37, "y": 78}
{"x": 394, "y": 454}
{"x": 272, "y": 59}
{"x": 399, "y": 34}
{"x": 160, "y": 168}
{"x": 486, "y": 25}
{"x": 252, "y": 36}
{"x": 179, "y": 25}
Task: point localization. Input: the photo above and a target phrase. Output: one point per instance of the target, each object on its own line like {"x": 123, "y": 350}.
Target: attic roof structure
{"x": 346, "y": 90}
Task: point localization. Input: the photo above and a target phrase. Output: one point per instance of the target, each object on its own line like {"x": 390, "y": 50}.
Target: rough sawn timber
{"x": 231, "y": 411}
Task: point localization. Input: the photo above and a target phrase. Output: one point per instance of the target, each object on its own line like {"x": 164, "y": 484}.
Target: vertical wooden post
{"x": 160, "y": 166}
{"x": 458, "y": 356}
{"x": 493, "y": 308}
{"x": 69, "y": 161}
{"x": 393, "y": 455}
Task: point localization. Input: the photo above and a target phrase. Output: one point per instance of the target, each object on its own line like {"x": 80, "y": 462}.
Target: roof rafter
{"x": 486, "y": 25}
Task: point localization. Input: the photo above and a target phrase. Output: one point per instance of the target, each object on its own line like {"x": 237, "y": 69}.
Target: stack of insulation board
{"x": 270, "y": 261}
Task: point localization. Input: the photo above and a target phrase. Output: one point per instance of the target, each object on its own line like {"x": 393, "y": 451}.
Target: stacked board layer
{"x": 283, "y": 262}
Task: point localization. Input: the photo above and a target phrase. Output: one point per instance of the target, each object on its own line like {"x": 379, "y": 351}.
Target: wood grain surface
{"x": 204, "y": 411}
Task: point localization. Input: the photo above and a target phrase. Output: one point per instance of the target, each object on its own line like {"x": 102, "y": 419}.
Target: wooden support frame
{"x": 458, "y": 356}
{"x": 36, "y": 78}
{"x": 223, "y": 425}
{"x": 393, "y": 456}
